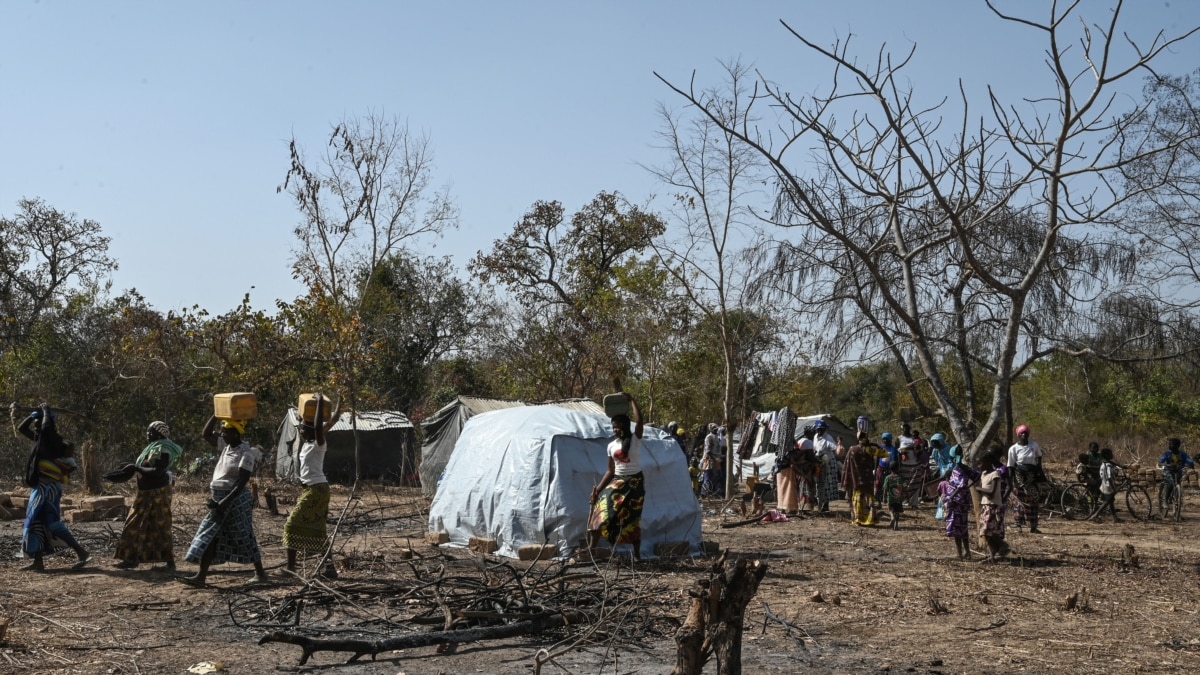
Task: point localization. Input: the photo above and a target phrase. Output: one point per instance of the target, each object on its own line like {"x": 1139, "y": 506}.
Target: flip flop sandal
{"x": 80, "y": 564}
{"x": 257, "y": 581}
{"x": 188, "y": 581}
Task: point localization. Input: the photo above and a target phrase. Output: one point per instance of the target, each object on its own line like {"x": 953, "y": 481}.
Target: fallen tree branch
{"x": 994, "y": 624}
{"x": 360, "y": 648}
{"x": 769, "y": 615}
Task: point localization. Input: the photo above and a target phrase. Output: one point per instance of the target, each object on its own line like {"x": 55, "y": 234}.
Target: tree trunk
{"x": 91, "y": 469}
{"x": 714, "y": 623}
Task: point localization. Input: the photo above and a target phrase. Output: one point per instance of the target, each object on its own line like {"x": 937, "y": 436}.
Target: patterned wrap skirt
{"x": 991, "y": 520}
{"x": 147, "y": 537}
{"x": 44, "y": 527}
{"x": 617, "y": 514}
{"x": 958, "y": 517}
{"x": 829, "y": 480}
{"x": 233, "y": 532}
{"x": 305, "y": 526}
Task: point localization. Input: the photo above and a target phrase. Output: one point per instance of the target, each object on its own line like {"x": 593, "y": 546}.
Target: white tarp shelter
{"x": 523, "y": 476}
{"x": 440, "y": 430}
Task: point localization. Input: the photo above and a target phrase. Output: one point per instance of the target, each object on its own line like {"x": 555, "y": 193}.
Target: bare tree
{"x": 714, "y": 180}
{"x": 368, "y": 196}
{"x": 980, "y": 249}
{"x": 362, "y": 202}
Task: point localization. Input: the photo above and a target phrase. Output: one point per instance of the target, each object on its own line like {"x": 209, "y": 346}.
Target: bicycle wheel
{"x": 1173, "y": 504}
{"x": 1137, "y": 500}
{"x": 1076, "y": 502}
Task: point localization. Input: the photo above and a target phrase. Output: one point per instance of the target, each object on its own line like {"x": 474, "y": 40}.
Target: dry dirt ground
{"x": 894, "y": 601}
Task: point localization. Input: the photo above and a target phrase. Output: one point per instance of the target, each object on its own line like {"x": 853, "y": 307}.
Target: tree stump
{"x": 714, "y": 623}
{"x": 91, "y": 469}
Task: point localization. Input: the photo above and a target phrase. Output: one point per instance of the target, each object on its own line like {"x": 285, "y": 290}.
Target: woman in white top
{"x": 305, "y": 526}
{"x": 227, "y": 532}
{"x": 618, "y": 498}
{"x": 1025, "y": 459}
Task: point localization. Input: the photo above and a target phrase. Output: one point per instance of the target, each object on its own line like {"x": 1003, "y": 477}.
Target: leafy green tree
{"x": 45, "y": 255}
{"x": 416, "y": 312}
{"x": 568, "y": 333}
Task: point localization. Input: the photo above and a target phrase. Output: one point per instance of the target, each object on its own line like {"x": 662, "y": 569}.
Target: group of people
{"x": 808, "y": 473}
{"x": 1099, "y": 472}
{"x": 226, "y": 533}
{"x": 895, "y": 471}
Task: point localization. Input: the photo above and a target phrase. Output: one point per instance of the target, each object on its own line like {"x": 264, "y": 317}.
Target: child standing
{"x": 957, "y": 502}
{"x": 993, "y": 490}
{"x": 893, "y": 491}
{"x": 1108, "y": 484}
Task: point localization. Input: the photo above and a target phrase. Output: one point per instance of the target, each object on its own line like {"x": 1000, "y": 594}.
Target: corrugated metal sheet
{"x": 580, "y": 404}
{"x": 481, "y": 405}
{"x": 367, "y": 420}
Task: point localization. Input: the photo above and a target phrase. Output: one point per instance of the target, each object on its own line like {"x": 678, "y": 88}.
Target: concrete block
{"x": 103, "y": 504}
{"x": 537, "y": 552}
{"x": 67, "y": 502}
{"x": 482, "y": 545}
{"x": 405, "y": 554}
{"x": 78, "y": 516}
{"x": 437, "y": 538}
{"x": 17, "y": 502}
{"x": 671, "y": 549}
{"x": 598, "y": 554}
{"x": 710, "y": 547}
{"x": 5, "y": 499}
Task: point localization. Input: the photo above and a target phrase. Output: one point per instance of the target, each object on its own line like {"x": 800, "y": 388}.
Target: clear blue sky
{"x": 168, "y": 122}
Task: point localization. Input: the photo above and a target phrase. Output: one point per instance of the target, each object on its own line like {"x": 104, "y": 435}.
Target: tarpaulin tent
{"x": 523, "y": 476}
{"x": 387, "y": 447}
{"x": 439, "y": 431}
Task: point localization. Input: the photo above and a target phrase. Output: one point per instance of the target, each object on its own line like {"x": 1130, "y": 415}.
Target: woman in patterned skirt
{"x": 227, "y": 533}
{"x": 147, "y": 537}
{"x": 304, "y": 530}
{"x": 618, "y": 498}
{"x": 957, "y": 502}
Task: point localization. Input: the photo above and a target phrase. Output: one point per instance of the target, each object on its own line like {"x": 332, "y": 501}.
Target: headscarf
{"x": 237, "y": 425}
{"x": 151, "y": 453}
{"x": 161, "y": 427}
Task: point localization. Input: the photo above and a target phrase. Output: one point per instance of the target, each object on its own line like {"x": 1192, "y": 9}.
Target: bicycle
{"x": 1051, "y": 496}
{"x": 1170, "y": 495}
{"x": 1079, "y": 501}
{"x": 1137, "y": 498}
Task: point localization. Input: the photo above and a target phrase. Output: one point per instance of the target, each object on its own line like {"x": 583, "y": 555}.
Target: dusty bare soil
{"x": 894, "y": 601}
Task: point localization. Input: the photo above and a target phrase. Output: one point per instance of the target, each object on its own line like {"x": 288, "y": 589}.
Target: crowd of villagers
{"x": 225, "y": 534}
{"x": 812, "y": 469}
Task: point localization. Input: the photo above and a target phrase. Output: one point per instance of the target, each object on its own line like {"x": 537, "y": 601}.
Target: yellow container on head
{"x": 307, "y": 405}
{"x": 241, "y": 405}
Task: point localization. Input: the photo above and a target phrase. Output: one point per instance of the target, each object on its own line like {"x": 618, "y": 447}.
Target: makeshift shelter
{"x": 439, "y": 431}
{"x": 387, "y": 447}
{"x": 762, "y": 455}
{"x": 522, "y": 476}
